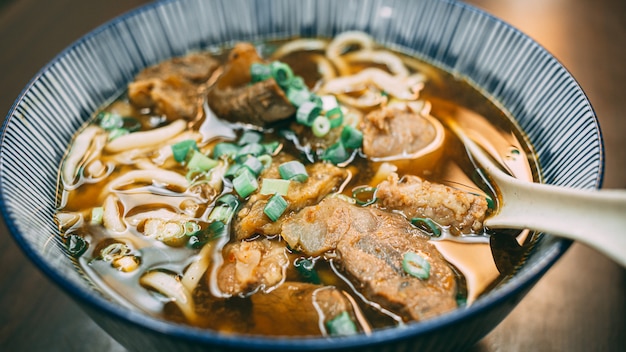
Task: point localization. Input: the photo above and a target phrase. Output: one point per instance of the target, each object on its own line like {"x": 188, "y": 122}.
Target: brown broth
{"x": 478, "y": 270}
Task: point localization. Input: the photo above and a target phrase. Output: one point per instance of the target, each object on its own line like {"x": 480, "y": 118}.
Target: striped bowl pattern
{"x": 521, "y": 76}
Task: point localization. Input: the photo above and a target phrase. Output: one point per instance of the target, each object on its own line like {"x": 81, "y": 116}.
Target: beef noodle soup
{"x": 303, "y": 187}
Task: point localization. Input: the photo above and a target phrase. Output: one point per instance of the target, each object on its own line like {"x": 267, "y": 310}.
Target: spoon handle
{"x": 595, "y": 218}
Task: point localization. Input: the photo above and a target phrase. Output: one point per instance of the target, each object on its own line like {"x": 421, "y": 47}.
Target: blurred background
{"x": 579, "y": 305}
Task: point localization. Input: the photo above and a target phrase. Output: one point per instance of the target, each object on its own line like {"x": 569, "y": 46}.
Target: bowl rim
{"x": 191, "y": 334}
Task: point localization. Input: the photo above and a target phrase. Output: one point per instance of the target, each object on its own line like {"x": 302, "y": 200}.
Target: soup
{"x": 312, "y": 189}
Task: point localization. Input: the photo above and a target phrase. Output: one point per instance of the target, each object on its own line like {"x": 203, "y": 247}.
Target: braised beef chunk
{"x": 463, "y": 212}
{"x": 252, "y": 265}
{"x": 234, "y": 98}
{"x": 369, "y": 245}
{"x": 292, "y": 307}
{"x": 390, "y": 131}
{"x": 172, "y": 88}
{"x": 323, "y": 179}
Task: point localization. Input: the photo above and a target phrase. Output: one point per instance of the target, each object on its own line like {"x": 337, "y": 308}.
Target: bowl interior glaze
{"x": 517, "y": 73}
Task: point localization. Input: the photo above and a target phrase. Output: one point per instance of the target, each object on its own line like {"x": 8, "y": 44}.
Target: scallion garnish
{"x": 199, "y": 161}
{"x": 225, "y": 149}
{"x": 321, "y": 126}
{"x": 266, "y": 160}
{"x": 336, "y": 153}
{"x": 182, "y": 148}
{"x": 293, "y": 170}
{"x": 254, "y": 149}
{"x": 364, "y": 195}
{"x": 191, "y": 228}
{"x": 271, "y": 147}
{"x": 275, "y": 207}
{"x": 76, "y": 245}
{"x": 351, "y": 137}
{"x": 254, "y": 165}
{"x": 307, "y": 113}
{"x": 245, "y": 183}
{"x": 233, "y": 171}
{"x": 416, "y": 265}
{"x": 275, "y": 186}
{"x": 259, "y": 72}
{"x": 306, "y": 269}
{"x": 282, "y": 73}
{"x": 428, "y": 225}
{"x": 249, "y": 137}
{"x": 341, "y": 325}
{"x": 335, "y": 116}
{"x": 215, "y": 230}
{"x": 96, "y": 215}
{"x": 224, "y": 209}
{"x": 297, "y": 96}
{"x": 109, "y": 120}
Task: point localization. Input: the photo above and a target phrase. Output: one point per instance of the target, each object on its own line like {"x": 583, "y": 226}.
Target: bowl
{"x": 506, "y": 65}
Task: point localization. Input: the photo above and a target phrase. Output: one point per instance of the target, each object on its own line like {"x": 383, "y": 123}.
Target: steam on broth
{"x": 312, "y": 191}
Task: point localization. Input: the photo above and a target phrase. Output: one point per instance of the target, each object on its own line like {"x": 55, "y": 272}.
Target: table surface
{"x": 577, "y": 306}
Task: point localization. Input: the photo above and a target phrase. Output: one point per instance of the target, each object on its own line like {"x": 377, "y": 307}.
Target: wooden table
{"x": 578, "y": 306}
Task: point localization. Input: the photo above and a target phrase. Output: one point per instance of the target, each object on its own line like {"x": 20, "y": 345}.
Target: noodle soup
{"x": 312, "y": 189}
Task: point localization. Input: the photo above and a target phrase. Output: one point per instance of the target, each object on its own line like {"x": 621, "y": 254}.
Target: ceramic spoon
{"x": 596, "y": 218}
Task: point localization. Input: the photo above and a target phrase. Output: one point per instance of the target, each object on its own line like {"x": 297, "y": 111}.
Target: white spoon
{"x": 596, "y": 218}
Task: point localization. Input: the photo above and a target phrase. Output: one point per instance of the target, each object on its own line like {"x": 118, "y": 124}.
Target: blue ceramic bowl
{"x": 515, "y": 71}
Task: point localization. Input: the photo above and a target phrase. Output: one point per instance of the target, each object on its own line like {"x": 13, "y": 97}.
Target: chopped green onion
{"x": 182, "y": 148}
{"x": 224, "y": 209}
{"x": 275, "y": 207}
{"x": 293, "y": 170}
{"x": 271, "y": 147}
{"x": 275, "y": 186}
{"x": 415, "y": 265}
{"x": 234, "y": 171}
{"x": 306, "y": 269}
{"x": 351, "y": 137}
{"x": 254, "y": 149}
{"x": 191, "y": 228}
{"x": 201, "y": 162}
{"x": 315, "y": 99}
{"x": 298, "y": 97}
{"x": 341, "y": 325}
{"x": 490, "y": 203}
{"x": 297, "y": 82}
{"x": 254, "y": 165}
{"x": 307, "y": 113}
{"x": 336, "y": 153}
{"x": 245, "y": 183}
{"x": 109, "y": 120}
{"x": 96, "y": 215}
{"x": 228, "y": 200}
{"x": 215, "y": 230}
{"x": 114, "y": 250}
{"x": 321, "y": 126}
{"x": 259, "y": 72}
{"x": 335, "y": 115}
{"x": 249, "y": 137}
{"x": 282, "y": 73}
{"x": 225, "y": 149}
{"x": 76, "y": 245}
{"x": 116, "y": 133}
{"x": 266, "y": 160}
{"x": 359, "y": 192}
{"x": 428, "y": 225}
